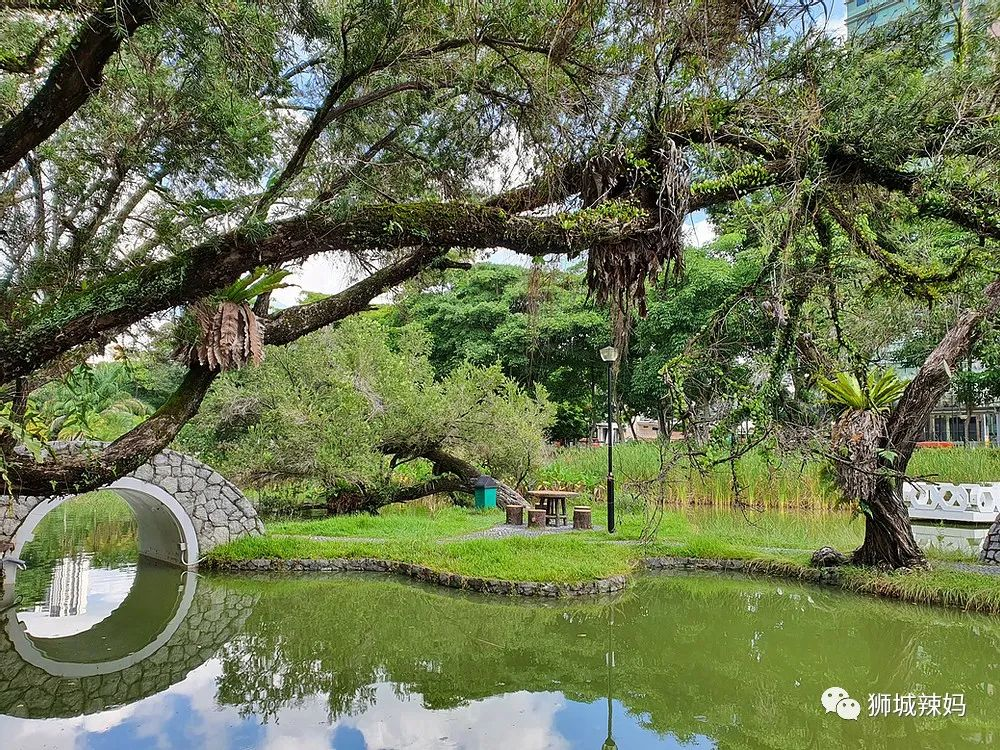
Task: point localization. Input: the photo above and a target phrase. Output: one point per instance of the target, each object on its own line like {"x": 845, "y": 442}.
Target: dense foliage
{"x": 357, "y": 412}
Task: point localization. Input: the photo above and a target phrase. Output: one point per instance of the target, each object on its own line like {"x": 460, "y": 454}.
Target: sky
{"x": 188, "y": 714}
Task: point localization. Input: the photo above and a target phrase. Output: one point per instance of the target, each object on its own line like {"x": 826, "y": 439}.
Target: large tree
{"x": 357, "y": 412}
{"x": 227, "y": 136}
{"x": 889, "y": 200}
{"x": 194, "y": 142}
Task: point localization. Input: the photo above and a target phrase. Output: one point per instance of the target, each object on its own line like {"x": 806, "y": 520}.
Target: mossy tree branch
{"x": 74, "y": 78}
{"x": 125, "y": 299}
{"x": 83, "y": 472}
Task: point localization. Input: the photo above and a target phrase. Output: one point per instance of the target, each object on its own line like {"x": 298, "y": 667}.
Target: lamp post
{"x": 610, "y": 355}
{"x": 609, "y": 743}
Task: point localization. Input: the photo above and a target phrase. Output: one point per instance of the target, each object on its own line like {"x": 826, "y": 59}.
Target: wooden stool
{"x": 582, "y": 517}
{"x": 515, "y": 514}
{"x": 536, "y": 518}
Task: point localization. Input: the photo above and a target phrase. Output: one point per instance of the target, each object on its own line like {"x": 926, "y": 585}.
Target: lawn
{"x": 781, "y": 542}
{"x": 562, "y": 558}
{"x": 413, "y": 521}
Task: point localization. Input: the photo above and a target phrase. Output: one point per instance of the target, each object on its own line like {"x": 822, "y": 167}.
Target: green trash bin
{"x": 486, "y": 492}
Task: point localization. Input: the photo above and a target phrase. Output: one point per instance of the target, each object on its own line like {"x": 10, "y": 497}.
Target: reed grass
{"x": 762, "y": 481}
{"x": 956, "y": 465}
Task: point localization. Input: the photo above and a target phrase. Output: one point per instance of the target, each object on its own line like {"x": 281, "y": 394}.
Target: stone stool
{"x": 515, "y": 514}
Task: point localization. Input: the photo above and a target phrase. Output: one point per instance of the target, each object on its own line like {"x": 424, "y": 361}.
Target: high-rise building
{"x": 865, "y": 15}
{"x": 67, "y": 594}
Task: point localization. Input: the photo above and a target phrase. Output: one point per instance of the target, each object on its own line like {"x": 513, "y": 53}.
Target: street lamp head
{"x": 609, "y": 354}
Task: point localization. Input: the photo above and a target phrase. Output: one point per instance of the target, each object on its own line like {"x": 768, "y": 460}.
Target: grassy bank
{"x": 564, "y": 558}
{"x": 417, "y": 520}
{"x": 776, "y": 543}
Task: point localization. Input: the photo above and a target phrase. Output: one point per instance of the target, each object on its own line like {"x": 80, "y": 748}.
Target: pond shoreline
{"x": 855, "y": 581}
{"x": 425, "y": 574}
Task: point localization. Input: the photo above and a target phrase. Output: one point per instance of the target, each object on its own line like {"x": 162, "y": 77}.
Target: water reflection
{"x": 358, "y": 663}
{"x": 165, "y": 628}
{"x": 78, "y": 597}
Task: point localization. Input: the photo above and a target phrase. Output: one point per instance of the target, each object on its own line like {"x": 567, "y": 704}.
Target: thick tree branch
{"x": 74, "y": 78}
{"x": 933, "y": 379}
{"x": 294, "y": 322}
{"x": 89, "y": 470}
{"x": 445, "y": 463}
{"x": 128, "y": 298}
{"x": 433, "y": 487}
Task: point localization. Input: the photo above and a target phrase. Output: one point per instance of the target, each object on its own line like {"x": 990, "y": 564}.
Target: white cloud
{"x": 327, "y": 274}
{"x": 518, "y": 720}
{"x": 699, "y": 231}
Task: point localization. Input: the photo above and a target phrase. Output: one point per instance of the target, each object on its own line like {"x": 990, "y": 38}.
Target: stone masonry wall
{"x": 219, "y": 511}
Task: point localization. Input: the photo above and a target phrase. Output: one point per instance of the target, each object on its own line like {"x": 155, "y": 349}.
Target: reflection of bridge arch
{"x": 154, "y": 608}
{"x": 52, "y": 677}
{"x": 183, "y": 509}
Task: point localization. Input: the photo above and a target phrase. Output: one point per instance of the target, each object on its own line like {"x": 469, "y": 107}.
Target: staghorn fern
{"x": 859, "y": 432}
{"x": 882, "y": 390}
{"x": 227, "y": 334}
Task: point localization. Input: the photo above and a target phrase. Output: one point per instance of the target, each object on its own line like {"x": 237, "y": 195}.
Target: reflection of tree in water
{"x": 216, "y": 615}
{"x": 100, "y": 524}
{"x": 742, "y": 661}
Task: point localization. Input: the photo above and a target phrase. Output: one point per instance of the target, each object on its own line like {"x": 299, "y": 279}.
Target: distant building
{"x": 67, "y": 594}
{"x": 947, "y": 422}
{"x": 865, "y": 15}
{"x": 642, "y": 428}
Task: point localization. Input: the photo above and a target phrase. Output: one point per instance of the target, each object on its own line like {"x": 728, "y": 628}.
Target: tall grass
{"x": 766, "y": 482}
{"x": 763, "y": 481}
{"x": 956, "y": 465}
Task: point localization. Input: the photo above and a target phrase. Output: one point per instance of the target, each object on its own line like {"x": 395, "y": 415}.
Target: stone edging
{"x": 612, "y": 584}
{"x": 494, "y": 586}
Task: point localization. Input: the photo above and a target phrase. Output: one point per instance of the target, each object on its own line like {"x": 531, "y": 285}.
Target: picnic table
{"x": 555, "y": 504}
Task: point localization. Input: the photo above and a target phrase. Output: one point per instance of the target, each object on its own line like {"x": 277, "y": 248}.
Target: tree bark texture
{"x": 120, "y": 301}
{"x": 75, "y": 77}
{"x": 889, "y": 538}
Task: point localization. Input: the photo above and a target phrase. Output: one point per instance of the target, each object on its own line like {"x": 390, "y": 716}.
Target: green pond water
{"x": 104, "y": 652}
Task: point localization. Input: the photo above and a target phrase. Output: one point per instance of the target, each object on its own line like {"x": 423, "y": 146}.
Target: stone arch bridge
{"x": 183, "y": 510}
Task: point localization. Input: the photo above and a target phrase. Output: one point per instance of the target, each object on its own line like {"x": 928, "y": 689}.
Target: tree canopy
{"x": 154, "y": 154}
{"x": 357, "y": 412}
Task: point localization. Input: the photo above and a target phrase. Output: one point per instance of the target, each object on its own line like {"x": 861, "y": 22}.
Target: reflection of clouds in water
{"x": 516, "y": 720}
{"x": 187, "y": 715}
{"x": 103, "y": 592}
{"x": 59, "y": 734}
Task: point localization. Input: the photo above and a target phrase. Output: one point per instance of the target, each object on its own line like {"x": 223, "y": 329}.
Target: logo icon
{"x": 836, "y": 700}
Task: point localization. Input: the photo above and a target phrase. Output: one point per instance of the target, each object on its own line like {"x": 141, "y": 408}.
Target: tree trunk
{"x": 889, "y": 541}
{"x": 91, "y": 470}
{"x": 889, "y": 538}
{"x": 445, "y": 462}
{"x": 74, "y": 78}
{"x": 116, "y": 302}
